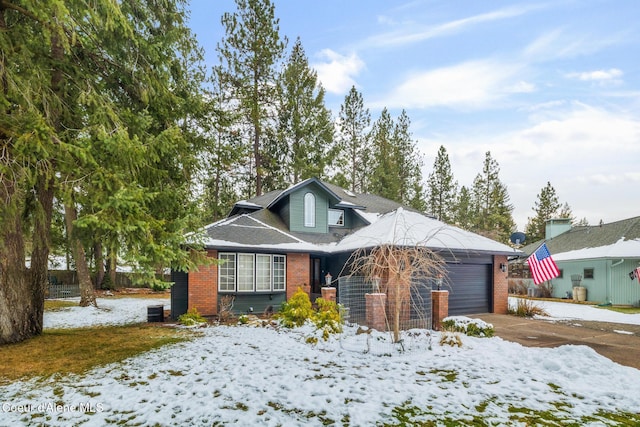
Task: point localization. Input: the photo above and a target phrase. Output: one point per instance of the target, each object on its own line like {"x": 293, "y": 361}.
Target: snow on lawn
{"x": 569, "y": 311}
{"x": 110, "y": 311}
{"x": 268, "y": 376}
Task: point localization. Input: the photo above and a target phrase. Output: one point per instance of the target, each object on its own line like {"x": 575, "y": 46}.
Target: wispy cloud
{"x": 410, "y": 34}
{"x": 561, "y": 43}
{"x": 470, "y": 85}
{"x": 612, "y": 76}
{"x": 336, "y": 71}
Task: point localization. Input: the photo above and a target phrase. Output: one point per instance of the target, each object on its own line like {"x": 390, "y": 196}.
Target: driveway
{"x": 618, "y": 342}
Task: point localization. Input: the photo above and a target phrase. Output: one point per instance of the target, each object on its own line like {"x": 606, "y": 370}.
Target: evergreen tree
{"x": 465, "y": 211}
{"x": 77, "y": 120}
{"x": 354, "y": 142}
{"x": 408, "y": 164}
{"x": 442, "y": 188}
{"x": 545, "y": 207}
{"x": 250, "y": 55}
{"x": 304, "y": 126}
{"x": 494, "y": 212}
{"x": 384, "y": 179}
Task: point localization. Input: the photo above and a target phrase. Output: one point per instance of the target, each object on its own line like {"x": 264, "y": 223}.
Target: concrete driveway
{"x": 618, "y": 342}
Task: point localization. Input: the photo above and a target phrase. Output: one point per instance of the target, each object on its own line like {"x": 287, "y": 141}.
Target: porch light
{"x": 327, "y": 279}
{"x": 503, "y": 267}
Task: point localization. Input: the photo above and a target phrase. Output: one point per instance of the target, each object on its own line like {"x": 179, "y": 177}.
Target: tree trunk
{"x": 87, "y": 293}
{"x": 97, "y": 250}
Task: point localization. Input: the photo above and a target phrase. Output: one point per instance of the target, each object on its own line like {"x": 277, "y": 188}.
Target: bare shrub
{"x": 518, "y": 286}
{"x": 546, "y": 289}
{"x": 527, "y": 308}
{"x": 225, "y": 309}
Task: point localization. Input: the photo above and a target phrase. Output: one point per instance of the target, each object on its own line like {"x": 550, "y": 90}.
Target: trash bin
{"x": 582, "y": 293}
{"x": 155, "y": 313}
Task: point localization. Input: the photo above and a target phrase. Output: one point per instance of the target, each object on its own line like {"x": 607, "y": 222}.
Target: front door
{"x": 316, "y": 276}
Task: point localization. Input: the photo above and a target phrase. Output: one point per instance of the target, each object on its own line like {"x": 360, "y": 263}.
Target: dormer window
{"x": 336, "y": 218}
{"x": 309, "y": 210}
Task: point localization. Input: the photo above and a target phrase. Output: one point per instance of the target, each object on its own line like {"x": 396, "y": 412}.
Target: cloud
{"x": 601, "y": 77}
{"x": 337, "y": 72}
{"x": 409, "y": 34}
{"x": 470, "y": 85}
{"x": 560, "y": 44}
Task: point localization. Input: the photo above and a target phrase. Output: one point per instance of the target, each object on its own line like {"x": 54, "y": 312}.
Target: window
{"x": 263, "y": 272}
{"x": 227, "y": 272}
{"x": 309, "y": 210}
{"x": 561, "y": 275}
{"x": 251, "y": 272}
{"x": 245, "y": 272}
{"x": 588, "y": 273}
{"x": 336, "y": 218}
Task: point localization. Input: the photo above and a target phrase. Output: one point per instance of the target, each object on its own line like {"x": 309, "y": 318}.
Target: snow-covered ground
{"x": 250, "y": 376}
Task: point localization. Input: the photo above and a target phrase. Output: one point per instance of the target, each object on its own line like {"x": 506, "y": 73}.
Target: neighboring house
{"x": 603, "y": 256}
{"x": 274, "y": 243}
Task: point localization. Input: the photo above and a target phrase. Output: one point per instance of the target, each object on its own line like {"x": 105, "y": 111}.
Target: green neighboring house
{"x": 603, "y": 256}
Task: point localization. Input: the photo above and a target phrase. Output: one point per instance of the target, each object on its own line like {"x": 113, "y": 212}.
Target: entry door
{"x": 316, "y": 273}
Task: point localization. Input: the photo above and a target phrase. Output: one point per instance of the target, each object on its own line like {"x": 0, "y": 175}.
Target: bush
{"x": 298, "y": 310}
{"x": 526, "y": 308}
{"x": 518, "y": 286}
{"x": 191, "y": 318}
{"x": 467, "y": 326}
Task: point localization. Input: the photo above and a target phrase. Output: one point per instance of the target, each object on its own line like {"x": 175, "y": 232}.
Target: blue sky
{"x": 552, "y": 88}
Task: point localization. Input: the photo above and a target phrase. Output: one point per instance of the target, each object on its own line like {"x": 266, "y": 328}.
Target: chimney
{"x": 556, "y": 226}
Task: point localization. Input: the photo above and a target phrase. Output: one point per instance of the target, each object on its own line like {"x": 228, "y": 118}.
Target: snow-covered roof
{"x": 620, "y": 249}
{"x": 406, "y": 228}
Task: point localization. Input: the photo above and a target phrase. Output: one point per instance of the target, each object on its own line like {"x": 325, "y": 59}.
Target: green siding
{"x": 259, "y": 302}
{"x": 610, "y": 281}
{"x": 296, "y": 210}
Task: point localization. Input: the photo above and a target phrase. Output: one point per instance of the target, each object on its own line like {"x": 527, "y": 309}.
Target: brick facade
{"x": 500, "y": 286}
{"x": 203, "y": 288}
{"x": 439, "y": 308}
{"x": 298, "y": 273}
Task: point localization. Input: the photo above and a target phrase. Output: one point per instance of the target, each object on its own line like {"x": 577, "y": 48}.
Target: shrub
{"x": 450, "y": 338}
{"x": 526, "y": 308}
{"x": 296, "y": 311}
{"x": 518, "y": 286}
{"x": 191, "y": 318}
{"x": 467, "y": 326}
{"x": 243, "y": 319}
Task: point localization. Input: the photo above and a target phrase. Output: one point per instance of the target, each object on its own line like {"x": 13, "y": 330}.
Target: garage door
{"x": 470, "y": 291}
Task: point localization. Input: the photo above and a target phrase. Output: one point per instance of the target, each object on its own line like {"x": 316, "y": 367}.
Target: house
{"x": 601, "y": 257}
{"x": 272, "y": 244}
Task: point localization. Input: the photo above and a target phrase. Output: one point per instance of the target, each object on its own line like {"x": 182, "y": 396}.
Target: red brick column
{"x": 298, "y": 273}
{"x": 203, "y": 288}
{"x": 500, "y": 286}
{"x": 439, "y": 308}
{"x": 375, "y": 311}
{"x": 328, "y": 293}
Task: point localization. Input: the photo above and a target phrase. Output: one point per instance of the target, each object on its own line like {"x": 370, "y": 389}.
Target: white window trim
{"x": 310, "y": 210}
{"x": 272, "y": 258}
{"x": 284, "y": 272}
{"x": 253, "y": 272}
{"x": 235, "y": 272}
{"x": 341, "y": 211}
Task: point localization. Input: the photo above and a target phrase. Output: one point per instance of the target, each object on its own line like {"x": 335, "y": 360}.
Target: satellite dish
{"x": 518, "y": 238}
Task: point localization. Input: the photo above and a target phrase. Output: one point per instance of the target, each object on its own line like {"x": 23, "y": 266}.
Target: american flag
{"x": 638, "y": 274}
{"x": 542, "y": 266}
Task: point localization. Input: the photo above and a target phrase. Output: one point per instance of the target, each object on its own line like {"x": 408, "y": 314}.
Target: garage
{"x": 470, "y": 289}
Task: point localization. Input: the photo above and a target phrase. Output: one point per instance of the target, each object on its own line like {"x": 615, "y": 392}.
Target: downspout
{"x": 610, "y": 290}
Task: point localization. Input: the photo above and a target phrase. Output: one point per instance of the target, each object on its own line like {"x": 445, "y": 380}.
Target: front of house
{"x": 273, "y": 244}
{"x": 599, "y": 259}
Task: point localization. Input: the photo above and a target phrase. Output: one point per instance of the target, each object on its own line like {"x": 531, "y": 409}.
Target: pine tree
{"x": 354, "y": 142}
{"x": 250, "y": 55}
{"x": 494, "y": 212}
{"x": 384, "y": 180}
{"x": 442, "y": 188}
{"x": 304, "y": 123}
{"x": 545, "y": 207}
{"x": 465, "y": 211}
{"x": 408, "y": 164}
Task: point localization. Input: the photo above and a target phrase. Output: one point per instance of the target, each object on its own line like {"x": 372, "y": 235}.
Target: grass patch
{"x": 58, "y": 304}
{"x": 625, "y": 310}
{"x": 74, "y": 351}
